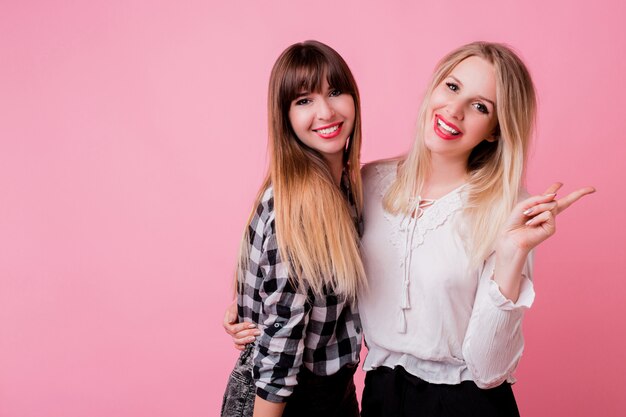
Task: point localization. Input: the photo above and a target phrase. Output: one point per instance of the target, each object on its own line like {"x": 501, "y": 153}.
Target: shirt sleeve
{"x": 283, "y": 320}
{"x": 494, "y": 341}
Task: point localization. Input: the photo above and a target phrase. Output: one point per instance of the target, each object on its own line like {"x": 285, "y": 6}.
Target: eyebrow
{"x": 480, "y": 97}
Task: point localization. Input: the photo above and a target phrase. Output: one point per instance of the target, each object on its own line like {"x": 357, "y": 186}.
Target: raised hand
{"x": 534, "y": 220}
{"x": 531, "y": 222}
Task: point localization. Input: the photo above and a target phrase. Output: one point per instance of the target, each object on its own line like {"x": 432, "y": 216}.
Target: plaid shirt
{"x": 298, "y": 328}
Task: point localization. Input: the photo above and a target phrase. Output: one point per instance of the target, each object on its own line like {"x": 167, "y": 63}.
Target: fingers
{"x": 241, "y": 329}
{"x": 545, "y": 218}
{"x": 553, "y": 188}
{"x": 540, "y": 208}
{"x": 529, "y": 205}
{"x": 242, "y": 340}
{"x": 542, "y": 214}
{"x": 571, "y": 198}
{"x": 248, "y": 334}
{"x": 536, "y": 204}
{"x": 242, "y": 333}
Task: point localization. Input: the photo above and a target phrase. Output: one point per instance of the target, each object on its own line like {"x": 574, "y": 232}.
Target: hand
{"x": 242, "y": 333}
{"x": 533, "y": 220}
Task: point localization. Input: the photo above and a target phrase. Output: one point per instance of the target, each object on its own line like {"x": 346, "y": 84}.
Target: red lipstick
{"x": 332, "y": 134}
{"x": 443, "y": 133}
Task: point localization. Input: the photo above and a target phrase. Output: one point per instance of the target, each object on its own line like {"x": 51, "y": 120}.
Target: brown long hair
{"x": 315, "y": 230}
{"x": 496, "y": 169}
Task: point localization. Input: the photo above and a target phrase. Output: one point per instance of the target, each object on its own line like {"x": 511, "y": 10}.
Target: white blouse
{"x": 424, "y": 309}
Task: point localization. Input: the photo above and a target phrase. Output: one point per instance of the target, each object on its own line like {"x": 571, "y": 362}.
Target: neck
{"x": 335, "y": 165}
{"x": 445, "y": 175}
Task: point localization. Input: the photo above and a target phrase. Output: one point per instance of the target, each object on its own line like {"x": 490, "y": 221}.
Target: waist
{"x": 437, "y": 371}
{"x": 346, "y": 372}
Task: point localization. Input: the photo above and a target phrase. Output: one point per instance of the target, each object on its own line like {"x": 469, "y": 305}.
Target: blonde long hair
{"x": 315, "y": 230}
{"x": 496, "y": 169}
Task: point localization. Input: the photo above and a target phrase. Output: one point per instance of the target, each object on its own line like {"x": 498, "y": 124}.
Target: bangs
{"x": 309, "y": 69}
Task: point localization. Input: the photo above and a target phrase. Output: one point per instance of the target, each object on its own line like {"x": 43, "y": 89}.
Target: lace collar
{"x": 432, "y": 217}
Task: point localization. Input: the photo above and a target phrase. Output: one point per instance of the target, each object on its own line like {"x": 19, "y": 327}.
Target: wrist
{"x": 509, "y": 250}
{"x": 510, "y": 260}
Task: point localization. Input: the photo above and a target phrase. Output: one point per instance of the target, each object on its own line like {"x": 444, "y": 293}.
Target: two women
{"x": 447, "y": 241}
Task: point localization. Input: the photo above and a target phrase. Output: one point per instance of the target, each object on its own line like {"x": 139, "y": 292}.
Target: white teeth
{"x": 329, "y": 130}
{"x": 447, "y": 128}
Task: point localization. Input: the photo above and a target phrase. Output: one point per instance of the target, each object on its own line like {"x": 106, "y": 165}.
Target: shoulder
{"x": 262, "y": 222}
{"x": 375, "y": 172}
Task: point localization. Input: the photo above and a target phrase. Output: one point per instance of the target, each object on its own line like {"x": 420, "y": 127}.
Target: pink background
{"x": 133, "y": 140}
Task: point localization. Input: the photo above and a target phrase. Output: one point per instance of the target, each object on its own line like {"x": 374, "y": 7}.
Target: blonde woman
{"x": 300, "y": 267}
{"x": 447, "y": 245}
{"x": 447, "y": 241}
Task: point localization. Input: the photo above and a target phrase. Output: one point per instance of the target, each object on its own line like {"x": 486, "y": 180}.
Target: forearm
{"x": 279, "y": 349}
{"x": 510, "y": 261}
{"x": 283, "y": 321}
{"x": 264, "y": 408}
{"x": 494, "y": 343}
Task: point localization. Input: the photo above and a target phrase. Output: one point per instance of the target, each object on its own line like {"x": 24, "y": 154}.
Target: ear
{"x": 495, "y": 135}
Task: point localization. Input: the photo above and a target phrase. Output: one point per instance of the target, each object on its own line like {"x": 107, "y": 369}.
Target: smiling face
{"x": 323, "y": 120}
{"x": 462, "y": 109}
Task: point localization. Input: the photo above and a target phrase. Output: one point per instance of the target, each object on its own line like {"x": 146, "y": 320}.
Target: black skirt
{"x": 324, "y": 396}
{"x": 396, "y": 393}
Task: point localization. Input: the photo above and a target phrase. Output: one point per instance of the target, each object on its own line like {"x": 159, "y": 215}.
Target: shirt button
{"x": 358, "y": 329}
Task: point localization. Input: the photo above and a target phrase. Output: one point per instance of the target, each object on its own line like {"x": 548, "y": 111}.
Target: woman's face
{"x": 462, "y": 110}
{"x": 324, "y": 120}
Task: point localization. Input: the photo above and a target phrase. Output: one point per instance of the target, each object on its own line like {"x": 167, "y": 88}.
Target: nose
{"x": 325, "y": 110}
{"x": 454, "y": 109}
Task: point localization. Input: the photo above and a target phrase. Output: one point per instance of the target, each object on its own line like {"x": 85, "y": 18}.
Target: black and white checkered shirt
{"x": 322, "y": 333}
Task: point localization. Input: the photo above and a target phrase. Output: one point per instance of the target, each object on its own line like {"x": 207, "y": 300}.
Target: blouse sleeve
{"x": 279, "y": 349}
{"x": 494, "y": 342}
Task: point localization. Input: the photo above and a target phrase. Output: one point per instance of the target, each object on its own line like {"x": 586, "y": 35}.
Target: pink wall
{"x": 132, "y": 141}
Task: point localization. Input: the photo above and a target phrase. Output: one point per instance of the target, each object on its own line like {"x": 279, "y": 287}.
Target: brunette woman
{"x": 300, "y": 267}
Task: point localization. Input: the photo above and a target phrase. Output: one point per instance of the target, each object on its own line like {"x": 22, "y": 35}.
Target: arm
{"x": 531, "y": 222}
{"x": 283, "y": 320}
{"x": 494, "y": 342}
{"x": 263, "y": 408}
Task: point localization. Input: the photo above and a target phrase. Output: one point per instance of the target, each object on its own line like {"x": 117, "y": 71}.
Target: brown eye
{"x": 302, "y": 101}
{"x": 452, "y": 86}
{"x": 481, "y": 108}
